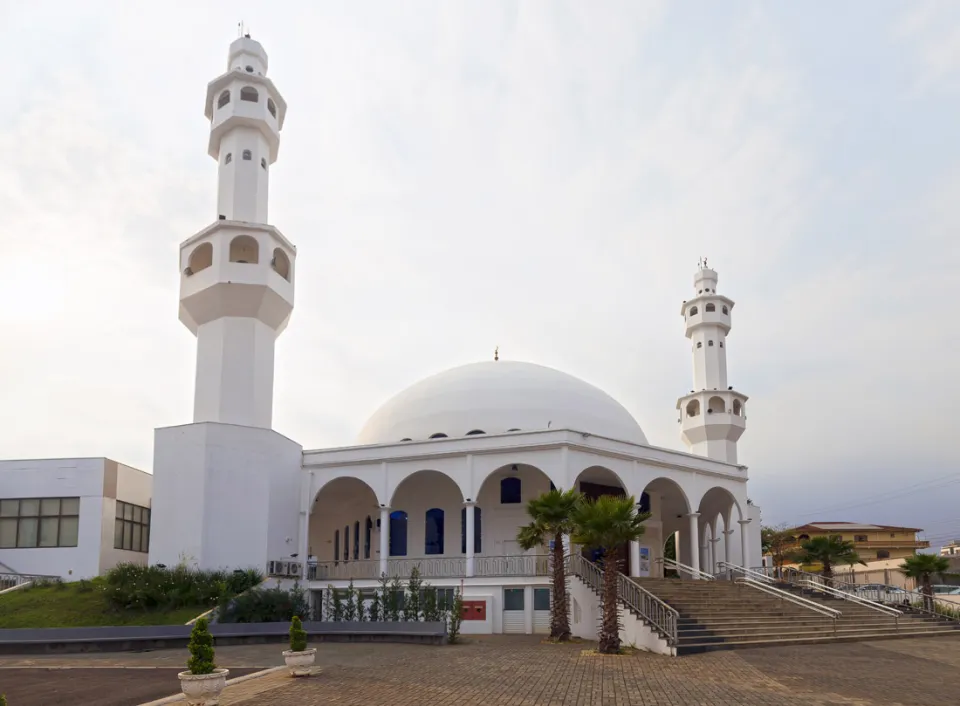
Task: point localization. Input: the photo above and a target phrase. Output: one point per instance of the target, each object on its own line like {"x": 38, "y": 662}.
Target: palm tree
{"x": 828, "y": 551}
{"x": 922, "y": 567}
{"x": 608, "y": 523}
{"x": 550, "y": 516}
{"x": 776, "y": 541}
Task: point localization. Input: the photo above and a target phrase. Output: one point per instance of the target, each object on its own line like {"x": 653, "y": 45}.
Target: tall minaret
{"x": 713, "y": 415}
{"x": 237, "y": 274}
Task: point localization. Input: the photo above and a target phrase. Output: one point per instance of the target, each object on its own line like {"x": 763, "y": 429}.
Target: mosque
{"x": 439, "y": 476}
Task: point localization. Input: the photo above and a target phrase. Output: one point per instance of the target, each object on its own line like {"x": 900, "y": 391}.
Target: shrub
{"x": 455, "y": 617}
{"x": 133, "y": 586}
{"x": 298, "y": 636}
{"x": 411, "y": 606}
{"x": 350, "y": 604}
{"x": 201, "y": 649}
{"x": 3, "y": 700}
{"x": 394, "y": 599}
{"x": 265, "y": 605}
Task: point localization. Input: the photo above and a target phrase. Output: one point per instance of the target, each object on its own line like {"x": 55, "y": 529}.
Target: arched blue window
{"x": 346, "y": 543}
{"x": 356, "y": 540}
{"x": 366, "y": 538}
{"x": 398, "y": 533}
{"x": 336, "y": 546}
{"x": 510, "y": 491}
{"x": 433, "y": 532}
{"x": 477, "y": 531}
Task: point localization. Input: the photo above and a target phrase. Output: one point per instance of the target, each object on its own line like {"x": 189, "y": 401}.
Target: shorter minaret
{"x": 713, "y": 415}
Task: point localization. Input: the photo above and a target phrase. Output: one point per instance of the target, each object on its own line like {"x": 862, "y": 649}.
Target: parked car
{"x": 941, "y": 588}
{"x": 881, "y": 593}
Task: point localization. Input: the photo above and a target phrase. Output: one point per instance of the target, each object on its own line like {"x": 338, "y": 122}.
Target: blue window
{"x": 477, "y": 531}
{"x": 366, "y": 538}
{"x": 346, "y": 543}
{"x": 433, "y": 534}
{"x": 336, "y": 545}
{"x": 356, "y": 540}
{"x": 398, "y": 533}
{"x": 510, "y": 491}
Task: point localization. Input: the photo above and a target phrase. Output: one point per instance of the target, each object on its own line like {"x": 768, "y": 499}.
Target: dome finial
{"x": 496, "y": 353}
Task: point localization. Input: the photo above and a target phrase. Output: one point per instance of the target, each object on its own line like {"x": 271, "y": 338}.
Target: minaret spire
{"x": 237, "y": 283}
{"x": 713, "y": 415}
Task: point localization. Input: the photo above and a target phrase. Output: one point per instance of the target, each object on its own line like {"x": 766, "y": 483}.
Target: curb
{"x": 176, "y": 698}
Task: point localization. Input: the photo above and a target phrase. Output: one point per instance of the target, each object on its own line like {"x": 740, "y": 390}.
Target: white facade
{"x": 72, "y": 492}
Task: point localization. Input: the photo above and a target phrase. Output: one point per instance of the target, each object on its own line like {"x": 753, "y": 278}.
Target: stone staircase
{"x": 725, "y": 615}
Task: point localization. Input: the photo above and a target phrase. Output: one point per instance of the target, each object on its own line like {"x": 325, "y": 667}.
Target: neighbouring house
{"x": 873, "y": 542}
{"x": 951, "y": 548}
{"x": 72, "y": 517}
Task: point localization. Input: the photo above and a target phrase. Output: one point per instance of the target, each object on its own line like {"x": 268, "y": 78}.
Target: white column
{"x": 384, "y": 538}
{"x": 470, "y": 537}
{"x": 634, "y": 558}
{"x": 744, "y": 543}
{"x": 726, "y": 548}
{"x": 713, "y": 554}
{"x": 694, "y": 540}
{"x": 528, "y": 610}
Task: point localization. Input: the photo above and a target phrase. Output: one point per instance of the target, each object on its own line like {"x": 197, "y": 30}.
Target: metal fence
{"x": 433, "y": 567}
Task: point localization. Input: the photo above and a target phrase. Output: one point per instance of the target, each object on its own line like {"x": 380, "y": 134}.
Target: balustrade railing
{"x": 12, "y": 580}
{"x": 684, "y": 569}
{"x": 432, "y": 567}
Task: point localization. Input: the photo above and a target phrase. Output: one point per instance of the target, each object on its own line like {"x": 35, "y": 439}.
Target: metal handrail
{"x": 853, "y": 598}
{"x": 678, "y": 567}
{"x": 13, "y": 580}
{"x": 432, "y": 567}
{"x": 747, "y": 573}
{"x": 651, "y": 609}
{"x": 791, "y": 598}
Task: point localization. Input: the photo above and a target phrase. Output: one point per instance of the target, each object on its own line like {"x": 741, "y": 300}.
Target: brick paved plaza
{"x": 520, "y": 671}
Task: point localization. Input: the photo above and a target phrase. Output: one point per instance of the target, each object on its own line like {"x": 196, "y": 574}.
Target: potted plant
{"x": 203, "y": 682}
{"x": 298, "y": 658}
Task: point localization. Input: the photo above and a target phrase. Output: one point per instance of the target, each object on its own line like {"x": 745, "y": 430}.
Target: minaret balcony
{"x": 713, "y": 427}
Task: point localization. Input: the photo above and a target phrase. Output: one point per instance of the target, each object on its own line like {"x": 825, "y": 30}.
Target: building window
{"x": 883, "y": 554}
{"x": 131, "y": 529}
{"x": 247, "y": 155}
{"x": 356, "y": 540}
{"x": 710, "y": 307}
{"x": 510, "y": 491}
{"x": 433, "y": 532}
{"x": 474, "y": 432}
{"x": 699, "y": 344}
{"x": 438, "y": 435}
{"x": 725, "y": 311}
{"x": 249, "y": 94}
{"x": 721, "y": 344}
{"x": 859, "y": 538}
{"x": 366, "y": 538}
{"x": 336, "y": 545}
{"x": 709, "y": 343}
{"x": 541, "y": 599}
{"x": 693, "y": 408}
{"x": 39, "y": 522}
{"x": 228, "y": 158}
{"x": 263, "y": 162}
{"x": 398, "y": 533}
{"x": 223, "y": 99}
{"x": 346, "y": 543}
{"x": 271, "y": 107}
{"x": 477, "y": 530}
{"x": 694, "y": 311}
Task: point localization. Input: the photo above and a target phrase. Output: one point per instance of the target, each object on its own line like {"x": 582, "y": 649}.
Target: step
{"x": 694, "y": 647}
{"x": 737, "y": 636}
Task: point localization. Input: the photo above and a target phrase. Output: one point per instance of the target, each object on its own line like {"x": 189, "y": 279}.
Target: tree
{"x": 608, "y": 523}
{"x": 922, "y": 567}
{"x": 551, "y": 517}
{"x": 828, "y": 551}
{"x": 201, "y": 649}
{"x": 777, "y": 541}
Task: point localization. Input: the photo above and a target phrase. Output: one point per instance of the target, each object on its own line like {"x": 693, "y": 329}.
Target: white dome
{"x": 495, "y": 397}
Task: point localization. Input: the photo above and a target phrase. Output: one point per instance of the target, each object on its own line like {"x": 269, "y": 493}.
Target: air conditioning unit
{"x": 294, "y": 569}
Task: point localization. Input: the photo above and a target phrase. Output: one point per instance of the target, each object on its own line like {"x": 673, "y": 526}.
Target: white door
{"x": 513, "y": 611}
{"x": 541, "y": 610}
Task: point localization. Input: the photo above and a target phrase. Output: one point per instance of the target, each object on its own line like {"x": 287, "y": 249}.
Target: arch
{"x": 533, "y": 482}
{"x": 223, "y": 99}
{"x": 594, "y": 481}
{"x": 367, "y": 534}
{"x": 336, "y": 502}
{"x": 737, "y": 407}
{"x": 281, "y": 265}
{"x": 245, "y": 249}
{"x": 474, "y": 432}
{"x": 694, "y": 311}
{"x": 725, "y": 310}
{"x": 272, "y": 107}
{"x": 477, "y": 530}
{"x": 693, "y": 408}
{"x": 398, "y": 533}
{"x": 716, "y": 405}
{"x": 228, "y": 158}
{"x": 438, "y": 435}
{"x": 200, "y": 259}
{"x": 247, "y": 155}
{"x": 421, "y": 488}
{"x": 356, "y": 540}
{"x": 511, "y": 490}
{"x": 710, "y": 307}
{"x": 433, "y": 532}
{"x": 249, "y": 93}
{"x": 718, "y": 501}
{"x": 674, "y": 500}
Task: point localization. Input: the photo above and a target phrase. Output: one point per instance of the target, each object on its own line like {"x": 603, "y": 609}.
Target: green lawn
{"x": 67, "y": 606}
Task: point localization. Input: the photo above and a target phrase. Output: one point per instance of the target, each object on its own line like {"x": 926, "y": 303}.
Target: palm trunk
{"x": 927, "y": 588}
{"x": 560, "y": 614}
{"x": 827, "y": 572}
{"x": 610, "y": 626}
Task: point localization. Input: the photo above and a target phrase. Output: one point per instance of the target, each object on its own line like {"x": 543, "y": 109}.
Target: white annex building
{"x": 440, "y": 474}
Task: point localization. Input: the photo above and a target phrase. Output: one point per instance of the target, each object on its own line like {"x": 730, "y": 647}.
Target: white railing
{"x": 745, "y": 572}
{"x": 683, "y": 568}
{"x": 791, "y": 598}
{"x": 852, "y": 597}
{"x": 651, "y": 609}
{"x": 14, "y": 580}
{"x": 433, "y": 567}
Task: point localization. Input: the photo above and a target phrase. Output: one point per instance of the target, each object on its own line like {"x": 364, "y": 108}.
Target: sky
{"x": 539, "y": 175}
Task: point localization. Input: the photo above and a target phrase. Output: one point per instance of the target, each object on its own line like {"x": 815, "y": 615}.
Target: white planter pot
{"x": 203, "y": 689}
{"x": 300, "y": 663}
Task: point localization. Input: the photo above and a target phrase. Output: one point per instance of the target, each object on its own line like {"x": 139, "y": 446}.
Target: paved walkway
{"x": 521, "y": 671}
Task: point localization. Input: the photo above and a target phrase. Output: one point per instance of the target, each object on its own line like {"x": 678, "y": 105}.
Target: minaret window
{"x": 228, "y": 158}
{"x": 438, "y": 435}
{"x": 200, "y": 259}
{"x": 272, "y": 107}
{"x": 737, "y": 407}
{"x": 281, "y": 265}
{"x": 244, "y": 249}
{"x": 709, "y": 343}
{"x": 694, "y": 311}
{"x": 249, "y": 94}
{"x": 725, "y": 310}
{"x": 710, "y": 307}
{"x": 693, "y": 408}
{"x": 721, "y": 344}
{"x": 474, "y": 432}
{"x": 223, "y": 99}
{"x": 717, "y": 406}
{"x": 263, "y": 162}
{"x": 247, "y": 155}
{"x": 699, "y": 344}
{"x": 249, "y": 69}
